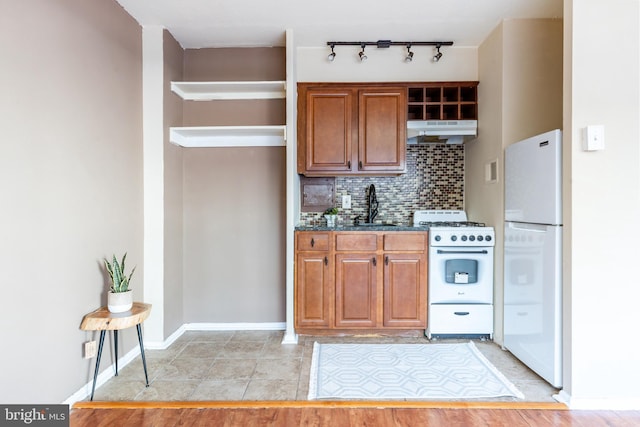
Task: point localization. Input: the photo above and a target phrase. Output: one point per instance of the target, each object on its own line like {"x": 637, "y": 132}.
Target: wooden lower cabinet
{"x": 313, "y": 283}
{"x": 314, "y": 280}
{"x": 405, "y": 297}
{"x": 363, "y": 281}
{"x": 356, "y": 289}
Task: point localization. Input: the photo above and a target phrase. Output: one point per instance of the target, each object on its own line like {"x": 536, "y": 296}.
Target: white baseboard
{"x": 603, "y": 404}
{"x": 103, "y": 377}
{"x": 163, "y": 345}
{"x": 267, "y": 326}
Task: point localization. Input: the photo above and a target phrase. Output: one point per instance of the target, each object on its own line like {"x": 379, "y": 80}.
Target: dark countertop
{"x": 377, "y": 227}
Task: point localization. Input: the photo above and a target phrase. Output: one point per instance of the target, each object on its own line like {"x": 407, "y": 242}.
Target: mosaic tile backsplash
{"x": 434, "y": 180}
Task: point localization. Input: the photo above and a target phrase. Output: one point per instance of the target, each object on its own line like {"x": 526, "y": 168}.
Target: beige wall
{"x": 173, "y": 177}
{"x": 234, "y": 199}
{"x": 71, "y": 186}
{"x": 234, "y": 222}
{"x": 520, "y": 95}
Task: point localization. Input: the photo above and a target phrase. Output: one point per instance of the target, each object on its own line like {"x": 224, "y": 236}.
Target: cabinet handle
{"x": 326, "y": 261}
{"x": 461, "y": 313}
{"x": 313, "y": 242}
{"x": 386, "y": 260}
{"x": 360, "y": 165}
{"x": 349, "y": 164}
{"x": 375, "y": 263}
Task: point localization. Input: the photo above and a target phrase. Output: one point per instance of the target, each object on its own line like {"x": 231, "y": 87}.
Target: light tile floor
{"x": 254, "y": 365}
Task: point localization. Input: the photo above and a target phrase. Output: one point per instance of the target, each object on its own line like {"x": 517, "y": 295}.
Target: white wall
{"x": 602, "y": 203}
{"x": 386, "y": 65}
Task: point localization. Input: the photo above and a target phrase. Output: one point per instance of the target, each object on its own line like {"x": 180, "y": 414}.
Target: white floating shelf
{"x": 210, "y": 91}
{"x": 229, "y": 136}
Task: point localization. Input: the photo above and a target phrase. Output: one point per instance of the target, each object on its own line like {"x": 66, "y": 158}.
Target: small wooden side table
{"x": 103, "y": 320}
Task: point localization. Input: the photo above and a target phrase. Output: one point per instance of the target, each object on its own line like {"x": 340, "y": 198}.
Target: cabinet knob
{"x": 349, "y": 164}
{"x": 313, "y": 242}
{"x": 386, "y": 260}
{"x": 375, "y": 262}
{"x": 326, "y": 261}
{"x": 360, "y": 165}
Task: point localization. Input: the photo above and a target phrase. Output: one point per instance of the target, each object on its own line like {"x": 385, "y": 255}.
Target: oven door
{"x": 461, "y": 275}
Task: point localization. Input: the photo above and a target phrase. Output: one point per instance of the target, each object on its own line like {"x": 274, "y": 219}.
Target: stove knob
{"x": 437, "y": 238}
{"x": 488, "y": 238}
{"x": 464, "y": 238}
{"x": 454, "y": 238}
{"x": 472, "y": 238}
{"x": 480, "y": 238}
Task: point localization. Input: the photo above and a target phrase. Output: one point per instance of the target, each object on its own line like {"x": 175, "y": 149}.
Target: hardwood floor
{"x": 340, "y": 414}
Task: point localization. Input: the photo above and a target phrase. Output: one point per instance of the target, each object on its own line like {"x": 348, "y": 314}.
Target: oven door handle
{"x": 440, "y": 251}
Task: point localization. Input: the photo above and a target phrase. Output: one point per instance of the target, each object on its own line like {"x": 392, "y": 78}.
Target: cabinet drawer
{"x": 405, "y": 242}
{"x": 356, "y": 242}
{"x": 312, "y": 241}
{"x": 460, "y": 319}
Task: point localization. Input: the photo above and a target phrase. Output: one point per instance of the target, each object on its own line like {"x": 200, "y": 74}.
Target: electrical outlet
{"x": 346, "y": 201}
{"x": 90, "y": 349}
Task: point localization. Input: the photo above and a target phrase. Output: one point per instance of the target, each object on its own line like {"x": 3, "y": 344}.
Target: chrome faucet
{"x": 373, "y": 204}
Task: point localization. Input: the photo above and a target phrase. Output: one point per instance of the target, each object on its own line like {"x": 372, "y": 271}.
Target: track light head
{"x": 362, "y": 55}
{"x": 332, "y": 55}
{"x": 409, "y": 56}
{"x": 438, "y": 55}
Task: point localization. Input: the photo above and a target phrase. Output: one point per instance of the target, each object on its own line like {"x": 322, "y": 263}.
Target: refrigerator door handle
{"x": 536, "y": 228}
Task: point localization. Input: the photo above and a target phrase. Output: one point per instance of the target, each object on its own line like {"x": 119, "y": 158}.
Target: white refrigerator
{"x": 533, "y": 254}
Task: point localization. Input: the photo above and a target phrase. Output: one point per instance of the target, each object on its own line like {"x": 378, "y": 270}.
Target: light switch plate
{"x": 593, "y": 138}
{"x": 346, "y": 201}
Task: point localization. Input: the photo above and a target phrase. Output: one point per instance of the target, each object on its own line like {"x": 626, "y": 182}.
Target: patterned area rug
{"x": 405, "y": 371}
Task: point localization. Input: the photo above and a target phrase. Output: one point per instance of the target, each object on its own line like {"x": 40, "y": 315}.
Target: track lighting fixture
{"x": 384, "y": 44}
{"x": 362, "y": 56}
{"x": 409, "y": 56}
{"x": 332, "y": 55}
{"x": 438, "y": 55}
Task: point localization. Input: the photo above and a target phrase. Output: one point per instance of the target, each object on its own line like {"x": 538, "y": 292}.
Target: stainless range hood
{"x": 441, "y": 131}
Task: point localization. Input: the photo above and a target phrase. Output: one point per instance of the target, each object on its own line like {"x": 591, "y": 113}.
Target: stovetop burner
{"x": 451, "y": 224}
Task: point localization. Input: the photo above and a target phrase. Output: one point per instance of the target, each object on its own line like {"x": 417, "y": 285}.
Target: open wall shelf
{"x": 210, "y": 91}
{"x": 229, "y": 136}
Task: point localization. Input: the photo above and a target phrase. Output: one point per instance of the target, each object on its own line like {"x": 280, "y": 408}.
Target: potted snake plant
{"x": 331, "y": 214}
{"x": 120, "y": 297}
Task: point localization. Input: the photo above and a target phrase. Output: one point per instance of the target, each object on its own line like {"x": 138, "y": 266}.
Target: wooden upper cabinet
{"x": 382, "y": 129}
{"x": 328, "y": 125}
{"x": 351, "y": 129}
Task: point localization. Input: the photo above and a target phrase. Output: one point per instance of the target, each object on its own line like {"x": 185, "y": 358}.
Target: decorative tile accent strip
{"x": 434, "y": 180}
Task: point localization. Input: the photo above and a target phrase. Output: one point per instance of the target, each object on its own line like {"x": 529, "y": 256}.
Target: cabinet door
{"x": 312, "y": 291}
{"x": 405, "y": 290}
{"x": 382, "y": 129}
{"x": 355, "y": 290}
{"x": 328, "y": 130}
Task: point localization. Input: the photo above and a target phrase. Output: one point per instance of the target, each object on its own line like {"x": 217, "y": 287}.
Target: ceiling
{"x": 254, "y": 23}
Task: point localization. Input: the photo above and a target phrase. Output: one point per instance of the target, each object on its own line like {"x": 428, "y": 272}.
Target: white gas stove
{"x": 460, "y": 273}
{"x": 451, "y": 228}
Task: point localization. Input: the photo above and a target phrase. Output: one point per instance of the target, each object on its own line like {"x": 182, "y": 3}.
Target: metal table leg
{"x": 95, "y": 373}
{"x": 144, "y": 361}
{"x": 115, "y": 339}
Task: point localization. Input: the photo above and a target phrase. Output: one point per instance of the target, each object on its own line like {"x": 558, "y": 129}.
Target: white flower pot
{"x": 331, "y": 220}
{"x": 118, "y": 302}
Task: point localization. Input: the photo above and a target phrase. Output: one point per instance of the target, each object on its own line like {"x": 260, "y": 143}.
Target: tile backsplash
{"x": 434, "y": 180}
